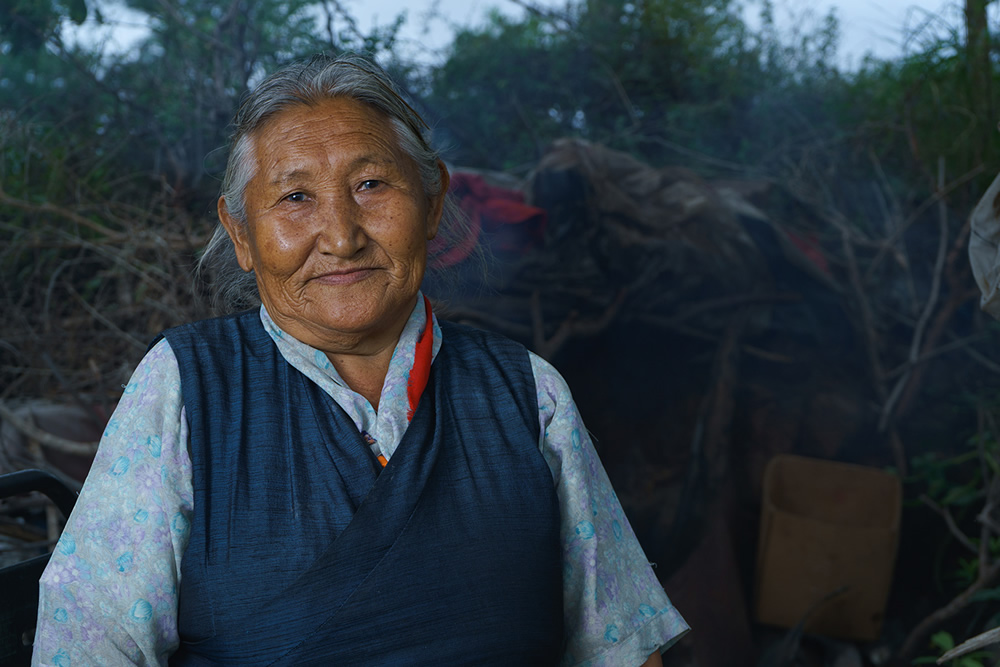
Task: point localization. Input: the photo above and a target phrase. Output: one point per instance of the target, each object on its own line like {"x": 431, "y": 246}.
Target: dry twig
{"x": 31, "y": 431}
{"x": 988, "y": 568}
{"x": 956, "y": 532}
{"x": 988, "y": 638}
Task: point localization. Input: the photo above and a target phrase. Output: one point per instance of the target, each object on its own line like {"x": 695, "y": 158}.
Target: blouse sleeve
{"x": 109, "y": 593}
{"x": 615, "y": 610}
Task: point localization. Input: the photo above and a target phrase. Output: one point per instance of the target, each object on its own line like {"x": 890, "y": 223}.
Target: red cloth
{"x": 510, "y": 224}
{"x": 809, "y": 246}
{"x": 421, "y": 370}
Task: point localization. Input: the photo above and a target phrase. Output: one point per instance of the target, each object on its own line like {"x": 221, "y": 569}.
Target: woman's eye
{"x": 370, "y": 184}
{"x": 296, "y": 197}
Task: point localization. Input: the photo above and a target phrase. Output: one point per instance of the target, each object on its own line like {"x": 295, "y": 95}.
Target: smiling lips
{"x": 344, "y": 276}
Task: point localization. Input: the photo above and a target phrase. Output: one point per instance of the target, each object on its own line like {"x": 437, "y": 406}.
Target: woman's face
{"x": 337, "y": 226}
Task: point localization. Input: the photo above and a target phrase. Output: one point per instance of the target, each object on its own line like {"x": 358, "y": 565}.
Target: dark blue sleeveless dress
{"x": 304, "y": 551}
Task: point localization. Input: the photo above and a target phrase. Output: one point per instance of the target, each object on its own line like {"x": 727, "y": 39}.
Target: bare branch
{"x": 547, "y": 348}
{"x": 44, "y": 438}
{"x": 939, "y": 196}
{"x": 50, "y": 208}
{"x": 958, "y": 603}
{"x": 96, "y": 314}
{"x": 952, "y": 526}
{"x": 964, "y": 344}
{"x": 988, "y": 638}
{"x": 925, "y": 316}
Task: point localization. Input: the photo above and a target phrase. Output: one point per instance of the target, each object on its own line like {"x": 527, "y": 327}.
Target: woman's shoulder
{"x": 238, "y": 321}
{"x": 550, "y": 385}
{"x": 553, "y": 390}
{"x": 217, "y": 337}
{"x": 158, "y": 360}
{"x": 469, "y": 340}
{"x": 155, "y": 382}
{"x": 455, "y": 331}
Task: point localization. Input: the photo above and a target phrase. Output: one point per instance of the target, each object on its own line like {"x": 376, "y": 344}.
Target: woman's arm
{"x": 109, "y": 593}
{"x": 615, "y": 610}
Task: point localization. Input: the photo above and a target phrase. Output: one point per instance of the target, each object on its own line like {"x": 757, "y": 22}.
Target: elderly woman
{"x": 336, "y": 477}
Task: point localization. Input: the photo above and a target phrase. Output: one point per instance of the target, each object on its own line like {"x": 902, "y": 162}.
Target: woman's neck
{"x": 363, "y": 373}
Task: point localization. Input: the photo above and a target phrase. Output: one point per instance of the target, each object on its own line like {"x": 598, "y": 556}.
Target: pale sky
{"x": 886, "y": 28}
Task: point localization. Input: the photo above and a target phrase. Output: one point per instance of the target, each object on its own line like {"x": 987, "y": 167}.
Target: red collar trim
{"x": 421, "y": 370}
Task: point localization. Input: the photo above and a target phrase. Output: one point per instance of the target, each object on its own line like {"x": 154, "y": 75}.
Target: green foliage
{"x": 942, "y": 642}
{"x": 956, "y": 485}
{"x": 25, "y": 25}
{"x": 666, "y": 80}
{"x": 929, "y": 106}
{"x": 108, "y": 164}
{"x": 949, "y": 480}
{"x": 158, "y": 115}
{"x": 480, "y": 95}
{"x": 179, "y": 91}
{"x": 637, "y": 75}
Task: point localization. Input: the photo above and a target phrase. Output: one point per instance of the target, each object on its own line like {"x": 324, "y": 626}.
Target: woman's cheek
{"x": 285, "y": 244}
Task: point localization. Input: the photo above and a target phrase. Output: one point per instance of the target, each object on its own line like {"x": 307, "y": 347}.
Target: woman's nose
{"x": 340, "y": 230}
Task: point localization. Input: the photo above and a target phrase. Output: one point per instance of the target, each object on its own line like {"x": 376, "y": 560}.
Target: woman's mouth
{"x": 344, "y": 276}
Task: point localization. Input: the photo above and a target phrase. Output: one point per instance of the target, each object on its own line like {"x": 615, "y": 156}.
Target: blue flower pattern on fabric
{"x": 585, "y": 529}
{"x": 155, "y": 444}
{"x": 180, "y": 524}
{"x": 124, "y": 561}
{"x": 120, "y": 466}
{"x": 141, "y": 611}
{"x": 321, "y": 360}
{"x": 67, "y": 545}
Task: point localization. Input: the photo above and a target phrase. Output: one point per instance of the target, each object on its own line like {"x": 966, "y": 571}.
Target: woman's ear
{"x": 239, "y": 235}
{"x": 437, "y": 202}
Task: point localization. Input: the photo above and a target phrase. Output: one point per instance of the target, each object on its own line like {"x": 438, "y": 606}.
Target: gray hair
{"x": 307, "y": 83}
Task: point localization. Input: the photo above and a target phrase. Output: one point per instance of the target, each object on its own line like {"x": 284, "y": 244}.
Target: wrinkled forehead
{"x": 341, "y": 112}
{"x": 330, "y": 127}
{"x": 340, "y": 136}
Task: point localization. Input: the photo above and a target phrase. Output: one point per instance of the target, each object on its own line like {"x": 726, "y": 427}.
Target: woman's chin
{"x": 332, "y": 327}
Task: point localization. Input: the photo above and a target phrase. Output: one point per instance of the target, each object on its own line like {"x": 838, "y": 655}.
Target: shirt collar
{"x": 314, "y": 364}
